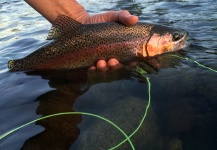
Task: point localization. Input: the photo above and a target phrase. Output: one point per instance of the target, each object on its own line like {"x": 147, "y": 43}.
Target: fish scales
{"x": 99, "y": 39}
{"x": 81, "y": 46}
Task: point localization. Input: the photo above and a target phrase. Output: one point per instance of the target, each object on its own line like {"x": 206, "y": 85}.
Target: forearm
{"x": 50, "y": 9}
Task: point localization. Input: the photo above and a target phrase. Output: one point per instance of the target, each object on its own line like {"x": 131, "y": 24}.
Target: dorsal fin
{"x": 62, "y": 24}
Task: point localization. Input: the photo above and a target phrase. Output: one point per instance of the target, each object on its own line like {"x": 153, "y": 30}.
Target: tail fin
{"x": 11, "y": 64}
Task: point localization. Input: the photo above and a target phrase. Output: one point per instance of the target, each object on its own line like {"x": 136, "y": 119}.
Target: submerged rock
{"x": 127, "y": 114}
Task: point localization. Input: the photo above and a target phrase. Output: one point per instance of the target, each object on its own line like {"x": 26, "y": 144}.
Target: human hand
{"x": 122, "y": 16}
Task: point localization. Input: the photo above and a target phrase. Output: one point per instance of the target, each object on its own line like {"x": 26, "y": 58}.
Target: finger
{"x": 92, "y": 68}
{"x": 122, "y": 16}
{"x": 126, "y": 18}
{"x": 114, "y": 64}
{"x": 101, "y": 65}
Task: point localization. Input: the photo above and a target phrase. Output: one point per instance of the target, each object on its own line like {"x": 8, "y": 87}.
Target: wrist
{"x": 50, "y": 9}
{"x": 75, "y": 11}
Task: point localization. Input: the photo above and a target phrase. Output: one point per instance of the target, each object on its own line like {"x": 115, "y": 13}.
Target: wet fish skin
{"x": 79, "y": 46}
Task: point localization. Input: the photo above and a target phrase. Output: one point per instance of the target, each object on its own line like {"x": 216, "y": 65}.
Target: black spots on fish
{"x": 85, "y": 44}
{"x": 147, "y": 30}
{"x": 63, "y": 24}
{"x": 163, "y": 30}
{"x": 82, "y": 62}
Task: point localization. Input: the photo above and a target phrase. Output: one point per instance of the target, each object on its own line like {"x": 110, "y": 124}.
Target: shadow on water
{"x": 114, "y": 95}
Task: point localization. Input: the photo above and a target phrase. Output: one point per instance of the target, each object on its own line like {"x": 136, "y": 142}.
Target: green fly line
{"x": 141, "y": 72}
{"x": 196, "y": 62}
{"x": 70, "y": 113}
{"x": 127, "y": 138}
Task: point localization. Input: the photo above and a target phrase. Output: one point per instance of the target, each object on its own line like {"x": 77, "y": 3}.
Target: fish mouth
{"x": 182, "y": 42}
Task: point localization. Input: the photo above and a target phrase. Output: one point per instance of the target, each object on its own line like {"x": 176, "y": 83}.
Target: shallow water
{"x": 183, "y": 111}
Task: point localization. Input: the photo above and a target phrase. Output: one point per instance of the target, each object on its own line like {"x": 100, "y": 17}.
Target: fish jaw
{"x": 170, "y": 41}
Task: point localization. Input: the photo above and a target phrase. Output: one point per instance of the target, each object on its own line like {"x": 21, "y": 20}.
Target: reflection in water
{"x": 75, "y": 90}
{"x": 61, "y": 131}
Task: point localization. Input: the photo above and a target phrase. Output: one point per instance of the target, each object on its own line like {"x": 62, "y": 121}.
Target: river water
{"x": 183, "y": 110}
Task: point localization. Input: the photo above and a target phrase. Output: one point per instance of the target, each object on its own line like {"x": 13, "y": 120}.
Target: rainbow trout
{"x": 77, "y": 45}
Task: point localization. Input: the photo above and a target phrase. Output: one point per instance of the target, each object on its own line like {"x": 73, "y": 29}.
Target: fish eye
{"x": 176, "y": 36}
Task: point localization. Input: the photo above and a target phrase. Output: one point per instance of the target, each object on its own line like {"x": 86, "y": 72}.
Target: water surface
{"x": 183, "y": 109}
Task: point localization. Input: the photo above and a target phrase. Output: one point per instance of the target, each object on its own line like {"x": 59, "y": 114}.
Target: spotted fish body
{"x": 78, "y": 46}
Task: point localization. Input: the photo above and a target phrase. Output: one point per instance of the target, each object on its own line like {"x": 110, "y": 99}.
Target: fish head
{"x": 165, "y": 39}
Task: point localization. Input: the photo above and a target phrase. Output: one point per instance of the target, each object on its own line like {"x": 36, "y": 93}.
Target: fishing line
{"x": 70, "y": 113}
{"x": 127, "y": 138}
{"x": 196, "y": 62}
{"x": 141, "y": 72}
